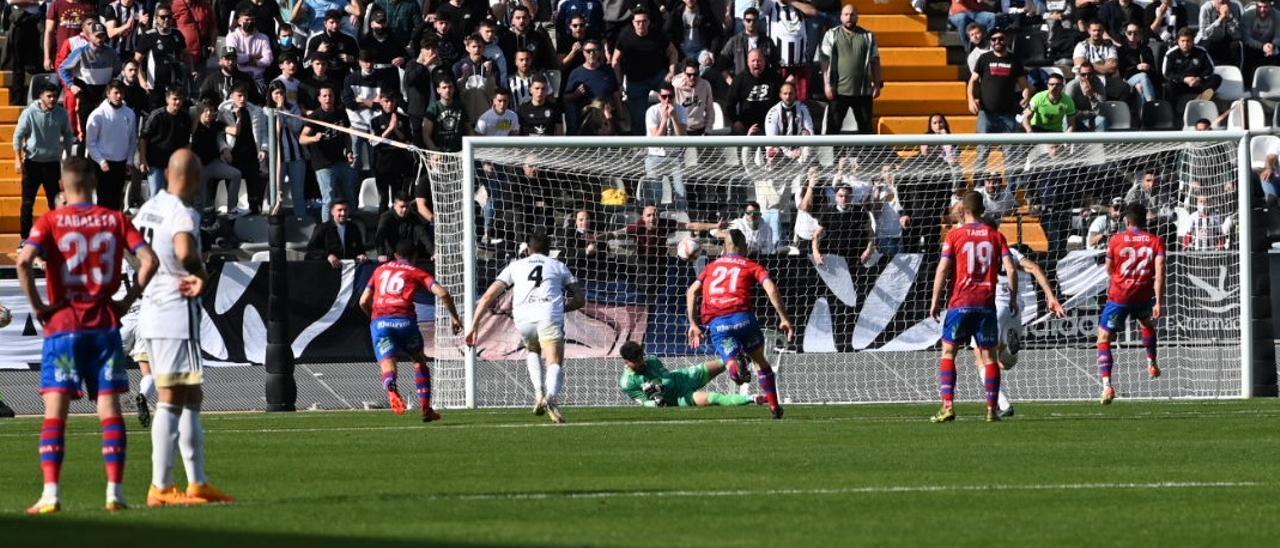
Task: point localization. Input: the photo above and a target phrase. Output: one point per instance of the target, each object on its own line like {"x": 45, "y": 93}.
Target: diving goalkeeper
{"x": 647, "y": 382}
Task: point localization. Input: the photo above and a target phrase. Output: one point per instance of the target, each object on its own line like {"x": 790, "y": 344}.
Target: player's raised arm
{"x": 442, "y": 294}
{"x": 482, "y": 308}
{"x": 939, "y": 279}
{"x": 691, "y": 313}
{"x": 775, "y": 299}
{"x": 1037, "y": 273}
{"x": 1158, "y": 309}
{"x": 1011, "y": 270}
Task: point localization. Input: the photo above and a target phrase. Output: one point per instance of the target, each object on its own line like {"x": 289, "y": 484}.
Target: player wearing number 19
{"x": 80, "y": 244}
{"x": 389, "y": 302}
{"x": 1136, "y": 264}
{"x": 726, "y": 311}
{"x": 973, "y": 250}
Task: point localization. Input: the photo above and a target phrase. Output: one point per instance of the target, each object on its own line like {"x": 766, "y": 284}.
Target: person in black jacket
{"x": 217, "y": 86}
{"x": 1138, "y": 64}
{"x": 753, "y": 93}
{"x": 692, "y": 37}
{"x": 1188, "y": 71}
{"x": 338, "y": 239}
{"x": 399, "y": 224}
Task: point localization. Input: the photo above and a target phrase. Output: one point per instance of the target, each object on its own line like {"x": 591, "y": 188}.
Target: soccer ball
{"x": 688, "y": 249}
{"x": 5, "y": 317}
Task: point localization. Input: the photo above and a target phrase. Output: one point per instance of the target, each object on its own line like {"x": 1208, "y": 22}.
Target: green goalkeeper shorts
{"x": 686, "y": 381}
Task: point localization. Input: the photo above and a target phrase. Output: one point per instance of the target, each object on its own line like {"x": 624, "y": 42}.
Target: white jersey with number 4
{"x": 165, "y": 313}
{"x": 538, "y": 285}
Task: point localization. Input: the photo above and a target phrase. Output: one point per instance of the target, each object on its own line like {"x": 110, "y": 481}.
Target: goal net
{"x": 864, "y": 334}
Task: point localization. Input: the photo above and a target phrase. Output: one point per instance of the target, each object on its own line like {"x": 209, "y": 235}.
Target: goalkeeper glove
{"x": 653, "y": 391}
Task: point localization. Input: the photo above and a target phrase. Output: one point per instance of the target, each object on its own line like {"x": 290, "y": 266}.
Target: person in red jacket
{"x": 195, "y": 20}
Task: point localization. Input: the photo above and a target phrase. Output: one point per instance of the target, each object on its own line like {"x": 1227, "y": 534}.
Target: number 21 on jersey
{"x": 724, "y": 276}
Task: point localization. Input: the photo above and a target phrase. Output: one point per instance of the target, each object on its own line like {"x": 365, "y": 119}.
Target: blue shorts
{"x": 735, "y": 335}
{"x": 979, "y": 323}
{"x": 395, "y": 337}
{"x": 1114, "y": 315}
{"x": 86, "y": 362}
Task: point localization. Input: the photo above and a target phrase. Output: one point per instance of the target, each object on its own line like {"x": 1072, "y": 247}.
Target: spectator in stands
{"x": 851, "y": 71}
{"x": 666, "y": 118}
{"x": 1065, "y": 30}
{"x": 569, "y": 48}
{"x": 589, "y": 82}
{"x": 324, "y": 11}
{"x": 465, "y": 16}
{"x": 646, "y": 58}
{"x": 1269, "y": 178}
{"x": 25, "y": 46}
{"x": 892, "y": 220}
{"x": 288, "y": 42}
{"x": 997, "y": 77}
{"x": 111, "y": 137}
{"x": 521, "y": 78}
{"x": 488, "y": 33}
{"x": 600, "y": 119}
{"x": 87, "y": 70}
{"x": 997, "y": 199}
{"x": 163, "y": 55}
{"x": 1118, "y": 14}
{"x": 134, "y": 94}
{"x": 1203, "y": 124}
{"x": 523, "y": 36}
{"x": 734, "y": 55}
{"x": 585, "y": 248}
{"x": 392, "y": 165}
{"x": 475, "y": 63}
{"x": 977, "y": 44}
{"x": 195, "y": 20}
{"x": 694, "y": 94}
{"x": 209, "y": 143}
{"x": 1019, "y": 15}
{"x": 591, "y": 13}
{"x": 1148, "y": 192}
{"x": 540, "y": 115}
{"x": 331, "y": 153}
{"x": 293, "y": 156}
{"x": 420, "y": 75}
{"x": 963, "y": 12}
{"x": 1104, "y": 226}
{"x": 447, "y": 37}
{"x": 1101, "y": 53}
{"x": 318, "y": 77}
{"x": 398, "y": 18}
{"x": 248, "y": 126}
{"x": 126, "y": 20}
{"x": 341, "y": 47}
{"x": 267, "y": 14}
{"x": 693, "y": 26}
{"x": 1261, "y": 32}
{"x": 761, "y": 239}
{"x": 1087, "y": 10}
{"x": 498, "y": 121}
{"x": 1138, "y": 64}
{"x": 651, "y": 233}
{"x": 42, "y": 137}
{"x": 166, "y": 130}
{"x": 787, "y": 28}
{"x": 64, "y": 20}
{"x": 1050, "y": 111}
{"x": 947, "y": 154}
{"x": 217, "y": 85}
{"x": 1164, "y": 19}
{"x": 338, "y": 239}
{"x": 1188, "y": 72}
{"x": 847, "y": 228}
{"x": 787, "y": 117}
{"x": 360, "y": 97}
{"x": 1206, "y": 229}
{"x": 288, "y": 78}
{"x": 253, "y": 48}
{"x": 753, "y": 93}
{"x": 398, "y": 225}
{"x": 1086, "y": 93}
{"x": 1220, "y": 31}
{"x": 445, "y": 123}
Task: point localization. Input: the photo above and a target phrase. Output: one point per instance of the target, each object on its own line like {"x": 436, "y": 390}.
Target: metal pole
{"x": 469, "y": 264}
{"x": 1244, "y": 172}
{"x": 281, "y": 388}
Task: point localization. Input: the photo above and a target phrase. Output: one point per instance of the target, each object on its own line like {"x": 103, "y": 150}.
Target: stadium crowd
{"x": 140, "y": 79}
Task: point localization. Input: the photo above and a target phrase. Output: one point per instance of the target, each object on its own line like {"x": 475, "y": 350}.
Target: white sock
{"x": 191, "y": 442}
{"x": 147, "y": 387}
{"x": 115, "y": 492}
{"x": 555, "y": 379}
{"x": 1004, "y": 400}
{"x": 164, "y": 441}
{"x": 534, "y": 363}
{"x": 51, "y": 492}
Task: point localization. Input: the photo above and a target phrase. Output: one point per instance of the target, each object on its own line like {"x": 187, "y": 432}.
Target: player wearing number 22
{"x": 726, "y": 312}
{"x": 389, "y": 302}
{"x": 81, "y": 245}
{"x": 973, "y": 250}
{"x": 1136, "y": 264}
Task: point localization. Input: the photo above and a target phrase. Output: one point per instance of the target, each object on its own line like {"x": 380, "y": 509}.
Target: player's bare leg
{"x": 533, "y": 363}
{"x": 1149, "y": 343}
{"x": 422, "y": 382}
{"x": 388, "y": 367}
{"x": 767, "y": 380}
{"x": 52, "y": 443}
{"x": 114, "y": 449}
{"x": 552, "y": 354}
{"x": 946, "y": 384}
{"x": 1104, "y": 366}
{"x": 990, "y": 382}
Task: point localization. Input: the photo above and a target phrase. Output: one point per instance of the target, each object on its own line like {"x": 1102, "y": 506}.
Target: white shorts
{"x": 140, "y": 351}
{"x": 175, "y": 362}
{"x": 1011, "y": 330}
{"x": 540, "y": 333}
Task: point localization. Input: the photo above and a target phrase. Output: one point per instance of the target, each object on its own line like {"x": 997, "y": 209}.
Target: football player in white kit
{"x": 169, "y": 323}
{"x": 543, "y": 290}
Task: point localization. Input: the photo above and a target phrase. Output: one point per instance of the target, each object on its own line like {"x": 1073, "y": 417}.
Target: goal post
{"x": 865, "y": 332}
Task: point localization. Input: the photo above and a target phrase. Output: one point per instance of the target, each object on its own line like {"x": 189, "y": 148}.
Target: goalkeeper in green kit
{"x": 646, "y": 381}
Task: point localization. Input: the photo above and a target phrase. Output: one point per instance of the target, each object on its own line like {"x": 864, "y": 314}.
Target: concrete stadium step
{"x": 913, "y": 56}
{"x": 9, "y": 242}
{"x": 894, "y": 23}
{"x": 10, "y": 187}
{"x": 10, "y": 207}
{"x": 915, "y": 125}
{"x": 909, "y": 39}
{"x": 882, "y": 7}
{"x": 919, "y": 98}
{"x": 917, "y": 73}
{"x": 10, "y": 114}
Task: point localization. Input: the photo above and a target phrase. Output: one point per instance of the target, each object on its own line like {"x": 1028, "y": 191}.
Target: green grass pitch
{"x": 1132, "y": 474}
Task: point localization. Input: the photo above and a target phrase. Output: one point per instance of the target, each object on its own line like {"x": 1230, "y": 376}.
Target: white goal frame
{"x": 471, "y": 146}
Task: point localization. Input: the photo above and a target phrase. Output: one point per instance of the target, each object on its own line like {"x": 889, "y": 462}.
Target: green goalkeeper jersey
{"x": 677, "y": 386}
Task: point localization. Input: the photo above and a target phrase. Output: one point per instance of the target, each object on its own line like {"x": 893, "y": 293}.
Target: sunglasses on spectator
{"x": 664, "y": 95}
{"x": 753, "y": 213}
{"x": 591, "y": 50}
{"x": 575, "y": 25}
{"x": 997, "y": 38}
{"x": 748, "y": 19}
{"x": 691, "y": 75}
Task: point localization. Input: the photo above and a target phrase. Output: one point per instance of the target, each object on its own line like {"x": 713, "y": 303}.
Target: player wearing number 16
{"x": 389, "y": 302}
{"x": 726, "y": 311}
{"x": 81, "y": 245}
{"x": 1135, "y": 262}
{"x": 973, "y": 250}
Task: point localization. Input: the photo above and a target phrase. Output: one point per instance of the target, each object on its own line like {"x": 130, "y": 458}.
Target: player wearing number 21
{"x": 543, "y": 290}
{"x": 389, "y": 303}
{"x": 973, "y": 250}
{"x": 80, "y": 244}
{"x": 726, "y": 312}
{"x": 1136, "y": 264}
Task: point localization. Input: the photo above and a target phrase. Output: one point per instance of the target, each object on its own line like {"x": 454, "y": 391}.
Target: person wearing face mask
{"x": 401, "y": 17}
{"x": 288, "y": 42}
{"x": 266, "y": 13}
{"x": 253, "y": 48}
{"x": 111, "y": 138}
{"x": 387, "y": 50}
{"x": 161, "y": 53}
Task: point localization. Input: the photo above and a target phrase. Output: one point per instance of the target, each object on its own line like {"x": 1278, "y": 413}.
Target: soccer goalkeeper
{"x": 646, "y": 381}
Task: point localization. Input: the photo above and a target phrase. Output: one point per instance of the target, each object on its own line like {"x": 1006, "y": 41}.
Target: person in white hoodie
{"x": 111, "y": 138}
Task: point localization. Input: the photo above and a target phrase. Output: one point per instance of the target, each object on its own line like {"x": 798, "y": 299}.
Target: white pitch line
{"x": 868, "y": 490}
